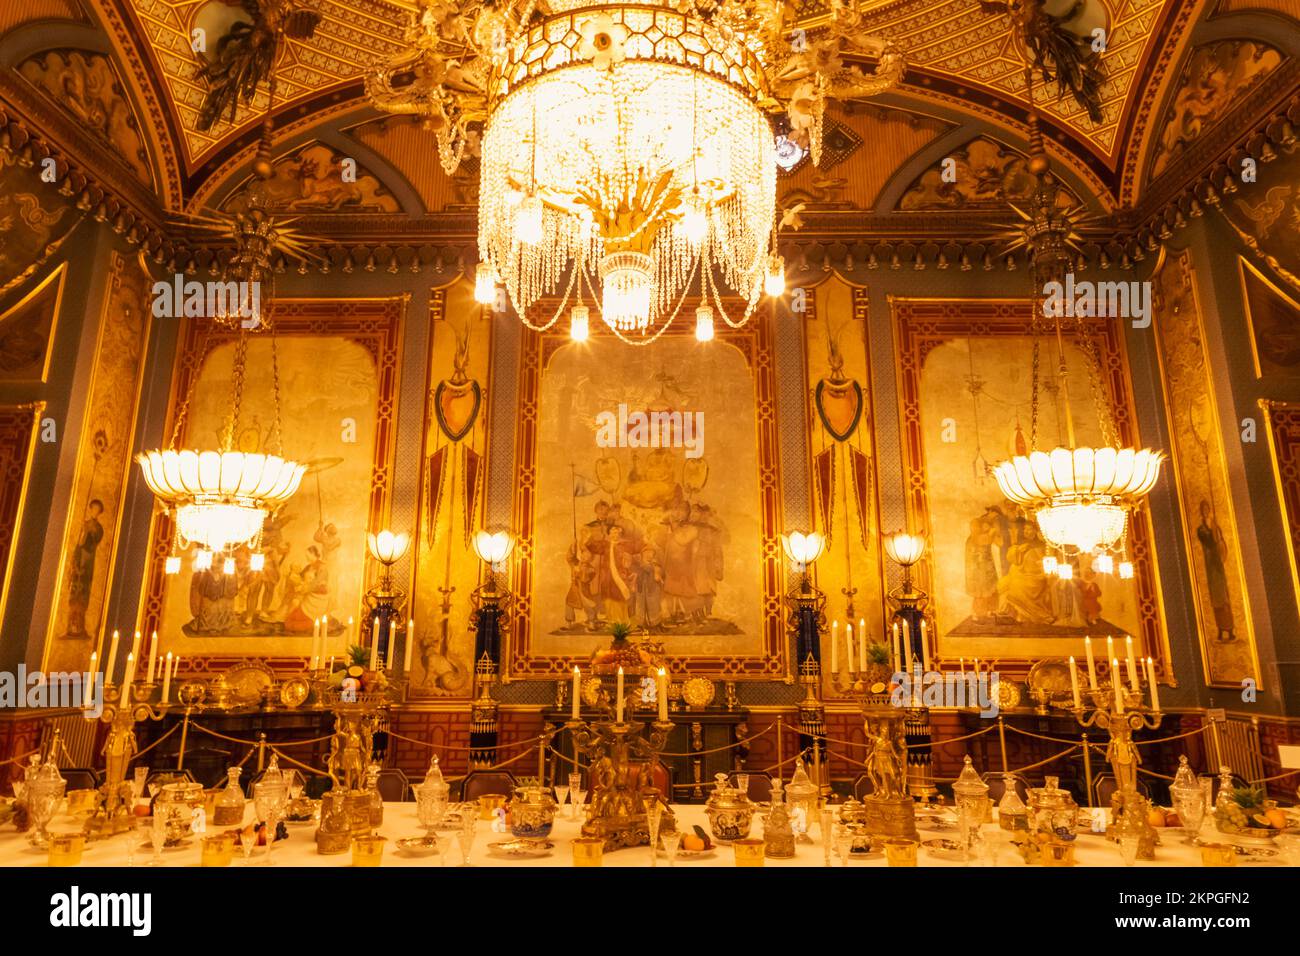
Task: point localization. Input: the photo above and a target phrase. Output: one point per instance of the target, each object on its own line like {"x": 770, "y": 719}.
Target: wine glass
{"x": 135, "y": 836}
{"x": 826, "y": 820}
{"x": 575, "y": 788}
{"x": 843, "y": 843}
{"x": 561, "y": 795}
{"x": 654, "y": 814}
{"x": 158, "y": 833}
{"x": 672, "y": 839}
{"x": 579, "y": 798}
{"x": 137, "y": 782}
{"x": 465, "y": 837}
{"x": 248, "y": 842}
{"x": 742, "y": 784}
{"x": 264, "y": 805}
{"x": 295, "y": 783}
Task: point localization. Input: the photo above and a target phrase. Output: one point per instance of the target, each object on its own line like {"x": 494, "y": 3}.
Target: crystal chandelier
{"x": 1080, "y": 495}
{"x": 627, "y": 150}
{"x": 220, "y": 498}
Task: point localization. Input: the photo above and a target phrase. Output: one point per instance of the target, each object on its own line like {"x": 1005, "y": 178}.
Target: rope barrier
{"x": 141, "y": 753}
{"x": 296, "y": 763}
{"x": 20, "y": 757}
{"x": 731, "y": 746}
{"x": 251, "y": 743}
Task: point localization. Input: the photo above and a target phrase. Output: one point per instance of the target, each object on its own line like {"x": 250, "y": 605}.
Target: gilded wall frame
{"x": 1201, "y": 478}
{"x": 920, "y": 325}
{"x": 754, "y": 343}
{"x": 373, "y": 323}
{"x": 51, "y": 287}
{"x": 19, "y": 427}
{"x": 1282, "y": 421}
{"x": 108, "y": 432}
{"x": 1248, "y": 273}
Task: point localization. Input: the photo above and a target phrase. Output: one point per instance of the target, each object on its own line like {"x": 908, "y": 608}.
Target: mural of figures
{"x": 1223, "y": 611}
{"x": 451, "y": 499}
{"x": 965, "y": 376}
{"x": 649, "y": 505}
{"x": 76, "y": 624}
{"x": 315, "y": 545}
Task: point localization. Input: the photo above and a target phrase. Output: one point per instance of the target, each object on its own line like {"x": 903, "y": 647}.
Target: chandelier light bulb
{"x": 904, "y": 549}
{"x": 1049, "y": 565}
{"x": 704, "y": 323}
{"x": 1065, "y": 571}
{"x": 1104, "y": 564}
{"x": 1126, "y": 570}
{"x": 774, "y": 282}
{"x": 388, "y": 547}
{"x": 203, "y": 561}
{"x": 228, "y": 566}
{"x": 695, "y": 221}
{"x": 172, "y": 565}
{"x": 493, "y": 547}
{"x": 579, "y": 323}
{"x": 257, "y": 561}
{"x": 485, "y": 284}
{"x": 528, "y": 220}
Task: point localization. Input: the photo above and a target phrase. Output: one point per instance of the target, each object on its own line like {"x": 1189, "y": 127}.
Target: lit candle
{"x": 315, "y": 633}
{"x": 905, "y": 651}
{"x": 374, "y": 645}
{"x": 1151, "y": 679}
{"x": 961, "y": 664}
{"x": 392, "y": 644}
{"x": 153, "y": 656}
{"x": 176, "y": 666}
{"x": 112, "y": 657}
{"x": 1110, "y": 653}
{"x": 577, "y": 692}
{"x": 410, "y": 644}
{"x": 893, "y": 648}
{"x": 135, "y": 645}
{"x": 862, "y": 644}
{"x": 618, "y": 697}
{"x": 1132, "y": 667}
{"x": 1117, "y": 684}
{"x": 130, "y": 670}
{"x": 1074, "y": 684}
{"x": 848, "y": 648}
{"x": 662, "y": 695}
{"x": 329, "y": 665}
{"x": 1092, "y": 667}
{"x": 835, "y": 647}
{"x": 167, "y": 678}
{"x": 90, "y": 682}
{"x": 925, "y": 648}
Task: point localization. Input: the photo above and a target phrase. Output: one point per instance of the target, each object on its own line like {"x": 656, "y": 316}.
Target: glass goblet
{"x": 561, "y": 795}
{"x": 742, "y": 784}
{"x": 672, "y": 839}
{"x": 843, "y": 844}
{"x": 137, "y": 782}
{"x": 264, "y": 805}
{"x": 654, "y": 814}
{"x": 579, "y": 798}
{"x": 135, "y": 837}
{"x": 465, "y": 838}
{"x": 1128, "y": 849}
{"x": 575, "y": 788}
{"x": 248, "y": 842}
{"x": 158, "y": 834}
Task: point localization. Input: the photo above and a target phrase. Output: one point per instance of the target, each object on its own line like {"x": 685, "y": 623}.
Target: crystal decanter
{"x": 229, "y": 811}
{"x": 778, "y": 835}
{"x": 376, "y": 799}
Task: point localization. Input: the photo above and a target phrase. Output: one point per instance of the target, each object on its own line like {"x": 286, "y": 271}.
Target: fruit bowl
{"x": 1248, "y": 816}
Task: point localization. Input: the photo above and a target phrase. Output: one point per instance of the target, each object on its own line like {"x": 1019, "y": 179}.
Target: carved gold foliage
{"x": 1215, "y": 78}
{"x": 33, "y": 223}
{"x": 312, "y": 179}
{"x": 984, "y": 173}
{"x": 86, "y": 86}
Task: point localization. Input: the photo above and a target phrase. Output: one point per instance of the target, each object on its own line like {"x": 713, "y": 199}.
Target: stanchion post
{"x": 1002, "y": 743}
{"x": 780, "y": 742}
{"x": 1087, "y": 771}
{"x": 261, "y": 751}
{"x": 185, "y": 732}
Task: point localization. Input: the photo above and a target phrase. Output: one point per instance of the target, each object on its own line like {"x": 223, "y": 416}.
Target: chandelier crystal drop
{"x": 627, "y": 151}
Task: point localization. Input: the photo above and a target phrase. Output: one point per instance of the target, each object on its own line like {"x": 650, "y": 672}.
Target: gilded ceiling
{"x": 1160, "y": 93}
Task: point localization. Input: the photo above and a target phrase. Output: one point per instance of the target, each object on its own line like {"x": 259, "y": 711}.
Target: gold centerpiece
{"x": 888, "y": 810}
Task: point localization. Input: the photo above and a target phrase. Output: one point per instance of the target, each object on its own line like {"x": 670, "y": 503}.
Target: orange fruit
{"x": 1156, "y": 817}
{"x": 692, "y": 842}
{"x": 1276, "y": 818}
{"x": 1172, "y": 820}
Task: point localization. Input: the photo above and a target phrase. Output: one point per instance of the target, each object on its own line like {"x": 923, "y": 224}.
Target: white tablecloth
{"x": 400, "y": 821}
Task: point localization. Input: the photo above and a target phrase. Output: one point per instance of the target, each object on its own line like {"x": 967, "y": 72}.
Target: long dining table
{"x": 299, "y": 850}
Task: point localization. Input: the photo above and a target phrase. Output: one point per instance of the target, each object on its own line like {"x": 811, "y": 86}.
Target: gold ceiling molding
{"x": 987, "y": 174}
{"x": 87, "y": 87}
{"x": 354, "y": 37}
{"x": 315, "y": 179}
{"x": 947, "y": 38}
{"x": 15, "y": 13}
{"x": 1215, "y": 77}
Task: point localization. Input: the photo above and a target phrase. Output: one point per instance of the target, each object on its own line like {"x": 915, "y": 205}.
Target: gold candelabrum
{"x": 124, "y": 707}
{"x": 621, "y": 755}
{"x": 888, "y": 811}
{"x": 1129, "y": 808}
